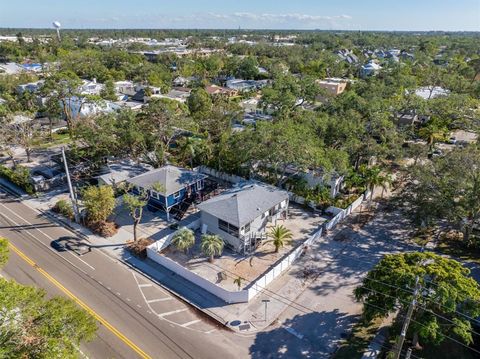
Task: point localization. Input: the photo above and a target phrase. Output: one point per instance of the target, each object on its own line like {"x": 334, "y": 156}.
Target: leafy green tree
{"x": 23, "y": 133}
{"x": 372, "y": 177}
{"x": 160, "y": 123}
{"x": 247, "y": 68}
{"x": 99, "y": 201}
{"x": 447, "y": 188}
{"x": 135, "y": 205}
{"x": 288, "y": 93}
{"x": 475, "y": 65}
{"x": 108, "y": 92}
{"x": 3, "y": 251}
{"x": 34, "y": 326}
{"x": 276, "y": 146}
{"x": 280, "y": 236}
{"x": 211, "y": 245}
{"x": 190, "y": 147}
{"x": 199, "y": 103}
{"x": 183, "y": 239}
{"x": 53, "y": 110}
{"x": 432, "y": 133}
{"x": 447, "y": 295}
{"x": 63, "y": 87}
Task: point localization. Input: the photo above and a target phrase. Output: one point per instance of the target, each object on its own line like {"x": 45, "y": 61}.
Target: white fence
{"x": 164, "y": 242}
{"x": 344, "y": 213}
{"x": 294, "y": 198}
{"x": 255, "y": 287}
{"x": 227, "y": 296}
{"x": 220, "y": 175}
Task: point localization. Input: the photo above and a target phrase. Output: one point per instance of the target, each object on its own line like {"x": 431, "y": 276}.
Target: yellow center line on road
{"x": 110, "y": 327}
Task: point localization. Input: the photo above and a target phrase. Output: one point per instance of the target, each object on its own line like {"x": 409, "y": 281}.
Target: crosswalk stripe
{"x": 159, "y": 300}
{"x": 190, "y": 323}
{"x": 172, "y": 312}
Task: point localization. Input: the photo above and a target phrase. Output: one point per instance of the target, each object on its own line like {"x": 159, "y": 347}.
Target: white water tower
{"x": 57, "y": 25}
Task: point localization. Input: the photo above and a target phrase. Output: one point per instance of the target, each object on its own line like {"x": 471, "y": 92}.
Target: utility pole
{"x": 70, "y": 188}
{"x": 408, "y": 317}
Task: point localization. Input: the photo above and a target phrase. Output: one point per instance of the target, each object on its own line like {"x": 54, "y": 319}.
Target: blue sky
{"x": 253, "y": 14}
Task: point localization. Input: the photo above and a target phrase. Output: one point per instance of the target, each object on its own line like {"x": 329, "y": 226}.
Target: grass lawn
{"x": 452, "y": 244}
{"x": 359, "y": 340}
{"x": 57, "y": 139}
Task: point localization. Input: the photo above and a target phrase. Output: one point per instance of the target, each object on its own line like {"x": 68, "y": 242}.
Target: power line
{"x": 448, "y": 337}
{"x": 424, "y": 297}
{"x": 448, "y": 320}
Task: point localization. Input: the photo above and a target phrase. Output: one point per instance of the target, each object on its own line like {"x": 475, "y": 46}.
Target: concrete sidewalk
{"x": 247, "y": 318}
{"x": 240, "y": 317}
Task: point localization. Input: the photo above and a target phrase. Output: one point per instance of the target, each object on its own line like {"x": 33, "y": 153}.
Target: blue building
{"x": 169, "y": 187}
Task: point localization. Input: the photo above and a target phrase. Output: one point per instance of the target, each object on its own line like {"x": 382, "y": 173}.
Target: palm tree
{"x": 281, "y": 236}
{"x": 135, "y": 206}
{"x": 211, "y": 246}
{"x": 238, "y": 281}
{"x": 432, "y": 133}
{"x": 372, "y": 178}
{"x": 385, "y": 181}
{"x": 189, "y": 148}
{"x": 184, "y": 239}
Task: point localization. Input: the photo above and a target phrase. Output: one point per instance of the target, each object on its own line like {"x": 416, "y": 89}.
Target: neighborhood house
{"x": 169, "y": 187}
{"x": 240, "y": 216}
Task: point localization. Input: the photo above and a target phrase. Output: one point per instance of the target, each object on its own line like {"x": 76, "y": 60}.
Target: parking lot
{"x": 325, "y": 310}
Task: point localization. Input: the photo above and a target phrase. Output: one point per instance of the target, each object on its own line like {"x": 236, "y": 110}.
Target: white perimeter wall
{"x": 255, "y": 287}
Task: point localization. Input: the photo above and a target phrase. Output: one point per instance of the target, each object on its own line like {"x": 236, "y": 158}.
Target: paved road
{"x": 137, "y": 318}
{"x": 325, "y": 310}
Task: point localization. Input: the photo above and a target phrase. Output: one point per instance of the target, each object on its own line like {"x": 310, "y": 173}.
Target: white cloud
{"x": 261, "y": 20}
{"x": 216, "y": 20}
{"x": 286, "y": 17}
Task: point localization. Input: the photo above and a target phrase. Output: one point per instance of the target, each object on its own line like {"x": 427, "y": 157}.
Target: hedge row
{"x": 20, "y": 176}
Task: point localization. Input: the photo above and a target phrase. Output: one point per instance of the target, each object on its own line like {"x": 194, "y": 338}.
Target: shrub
{"x": 19, "y": 176}
{"x": 99, "y": 202}
{"x": 139, "y": 248}
{"x": 64, "y": 208}
{"x": 104, "y": 228}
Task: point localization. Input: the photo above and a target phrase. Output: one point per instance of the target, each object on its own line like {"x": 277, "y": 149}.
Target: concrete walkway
{"x": 245, "y": 318}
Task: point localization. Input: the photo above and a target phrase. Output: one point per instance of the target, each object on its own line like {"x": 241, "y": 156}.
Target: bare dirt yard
{"x": 230, "y": 265}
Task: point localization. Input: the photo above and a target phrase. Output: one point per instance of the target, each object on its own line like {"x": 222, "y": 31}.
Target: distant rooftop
{"x": 429, "y": 92}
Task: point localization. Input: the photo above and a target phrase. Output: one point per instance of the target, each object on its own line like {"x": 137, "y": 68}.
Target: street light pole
{"x": 266, "y": 301}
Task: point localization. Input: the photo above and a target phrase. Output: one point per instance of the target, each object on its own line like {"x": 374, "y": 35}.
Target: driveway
{"x": 325, "y": 309}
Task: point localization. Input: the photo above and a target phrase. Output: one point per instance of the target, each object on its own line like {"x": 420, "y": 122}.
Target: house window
{"x": 246, "y": 229}
{"x": 154, "y": 194}
{"x": 228, "y": 228}
{"x": 176, "y": 195}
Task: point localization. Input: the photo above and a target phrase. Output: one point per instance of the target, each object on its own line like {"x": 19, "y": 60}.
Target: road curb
{"x": 132, "y": 266}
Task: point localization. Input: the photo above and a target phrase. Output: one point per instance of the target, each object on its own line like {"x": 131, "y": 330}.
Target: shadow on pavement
{"x": 311, "y": 336}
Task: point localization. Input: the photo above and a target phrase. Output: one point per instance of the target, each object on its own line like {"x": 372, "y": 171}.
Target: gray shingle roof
{"x": 172, "y": 178}
{"x": 240, "y": 206}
